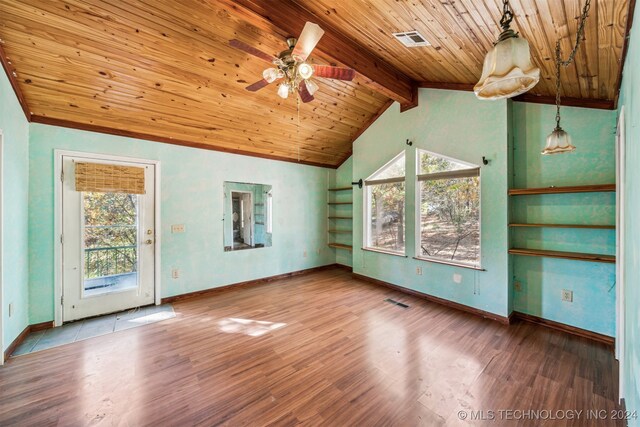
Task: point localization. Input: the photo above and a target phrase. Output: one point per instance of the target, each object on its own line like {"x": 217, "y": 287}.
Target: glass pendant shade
{"x": 305, "y": 70}
{"x": 270, "y": 74}
{"x": 507, "y": 70}
{"x": 558, "y": 141}
{"x": 283, "y": 90}
{"x": 312, "y": 87}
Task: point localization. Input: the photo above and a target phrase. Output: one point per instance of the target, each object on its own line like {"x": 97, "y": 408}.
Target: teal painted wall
{"x": 630, "y": 100}
{"x": 457, "y": 125}
{"x": 15, "y": 169}
{"x": 343, "y": 179}
{"x": 192, "y": 194}
{"x": 543, "y": 279}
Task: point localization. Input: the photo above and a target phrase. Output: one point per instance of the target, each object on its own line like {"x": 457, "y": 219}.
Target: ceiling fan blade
{"x": 305, "y": 96}
{"x": 250, "y": 49}
{"x": 309, "y": 38}
{"x": 338, "y": 73}
{"x": 254, "y": 87}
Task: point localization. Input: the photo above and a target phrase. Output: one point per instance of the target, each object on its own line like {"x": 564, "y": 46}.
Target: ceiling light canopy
{"x": 507, "y": 70}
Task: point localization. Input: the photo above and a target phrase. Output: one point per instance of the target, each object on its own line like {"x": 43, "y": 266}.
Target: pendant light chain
{"x": 507, "y": 15}
{"x": 572, "y": 55}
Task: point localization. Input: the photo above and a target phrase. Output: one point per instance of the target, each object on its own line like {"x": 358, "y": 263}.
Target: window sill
{"x": 380, "y": 251}
{"x": 451, "y": 263}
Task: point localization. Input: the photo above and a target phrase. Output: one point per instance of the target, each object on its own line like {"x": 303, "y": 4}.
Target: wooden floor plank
{"x": 318, "y": 349}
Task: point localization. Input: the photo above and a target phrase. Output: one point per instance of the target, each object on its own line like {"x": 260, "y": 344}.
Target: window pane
{"x": 395, "y": 169}
{"x": 386, "y": 205}
{"x": 110, "y": 242}
{"x": 430, "y": 163}
{"x": 450, "y": 220}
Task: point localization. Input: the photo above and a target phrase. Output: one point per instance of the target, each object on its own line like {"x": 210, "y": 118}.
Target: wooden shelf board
{"x": 604, "y": 227}
{"x": 340, "y": 231}
{"x": 341, "y": 189}
{"x": 561, "y": 190}
{"x": 340, "y": 217}
{"x": 564, "y": 255}
{"x": 340, "y": 203}
{"x": 340, "y": 246}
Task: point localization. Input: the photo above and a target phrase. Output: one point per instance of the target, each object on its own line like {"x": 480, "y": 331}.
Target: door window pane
{"x": 110, "y": 242}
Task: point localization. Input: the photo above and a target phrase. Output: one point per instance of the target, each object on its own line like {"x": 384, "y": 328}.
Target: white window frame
{"x": 473, "y": 170}
{"x": 366, "y": 244}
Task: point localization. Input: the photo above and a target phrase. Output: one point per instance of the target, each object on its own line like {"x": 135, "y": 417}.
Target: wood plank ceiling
{"x": 163, "y": 69}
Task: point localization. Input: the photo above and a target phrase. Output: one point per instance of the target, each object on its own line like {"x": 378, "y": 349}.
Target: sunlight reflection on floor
{"x": 252, "y": 328}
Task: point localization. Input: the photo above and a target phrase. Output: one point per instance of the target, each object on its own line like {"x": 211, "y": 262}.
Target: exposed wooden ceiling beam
{"x": 291, "y": 17}
{"x": 566, "y": 101}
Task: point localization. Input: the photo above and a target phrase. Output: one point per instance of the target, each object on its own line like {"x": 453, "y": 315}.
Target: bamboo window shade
{"x": 97, "y": 177}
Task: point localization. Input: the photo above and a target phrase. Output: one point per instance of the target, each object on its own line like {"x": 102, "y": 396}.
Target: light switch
{"x": 177, "y": 228}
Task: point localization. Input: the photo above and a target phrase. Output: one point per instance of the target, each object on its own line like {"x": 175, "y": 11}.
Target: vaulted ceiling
{"x": 163, "y": 69}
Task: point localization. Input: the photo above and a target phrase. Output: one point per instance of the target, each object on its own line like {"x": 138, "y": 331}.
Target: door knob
{"x": 148, "y": 242}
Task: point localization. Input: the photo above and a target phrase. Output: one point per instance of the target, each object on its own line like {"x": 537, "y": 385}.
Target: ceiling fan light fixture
{"x": 558, "y": 141}
{"x": 283, "y": 90}
{"x": 305, "y": 70}
{"x": 270, "y": 74}
{"x": 312, "y": 87}
{"x": 507, "y": 70}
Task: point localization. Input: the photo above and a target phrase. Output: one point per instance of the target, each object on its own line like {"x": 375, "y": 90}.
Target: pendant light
{"x": 559, "y": 140}
{"x": 507, "y": 69}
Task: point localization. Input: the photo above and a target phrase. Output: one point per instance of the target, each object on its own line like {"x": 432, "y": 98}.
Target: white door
{"x": 108, "y": 245}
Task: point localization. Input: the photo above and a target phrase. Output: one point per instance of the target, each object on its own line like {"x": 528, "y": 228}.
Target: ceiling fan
{"x": 291, "y": 65}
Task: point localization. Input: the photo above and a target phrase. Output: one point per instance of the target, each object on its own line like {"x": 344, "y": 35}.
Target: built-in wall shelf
{"x": 600, "y": 227}
{"x": 561, "y": 190}
{"x": 340, "y": 246}
{"x": 578, "y": 256}
{"x": 340, "y": 208}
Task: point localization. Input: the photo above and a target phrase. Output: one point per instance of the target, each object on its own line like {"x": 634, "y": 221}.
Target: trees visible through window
{"x": 385, "y": 200}
{"x": 448, "y": 210}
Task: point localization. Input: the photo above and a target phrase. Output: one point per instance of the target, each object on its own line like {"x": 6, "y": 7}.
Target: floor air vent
{"x": 389, "y": 300}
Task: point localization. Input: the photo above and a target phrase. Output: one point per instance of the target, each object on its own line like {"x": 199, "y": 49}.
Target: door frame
{"x": 57, "y": 206}
{"x": 1, "y": 245}
{"x": 252, "y": 222}
{"x": 620, "y": 239}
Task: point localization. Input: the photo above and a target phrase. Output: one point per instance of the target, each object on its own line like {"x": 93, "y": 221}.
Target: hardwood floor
{"x": 319, "y": 349}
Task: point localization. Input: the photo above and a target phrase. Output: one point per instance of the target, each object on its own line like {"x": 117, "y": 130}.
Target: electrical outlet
{"x": 419, "y": 271}
{"x": 175, "y": 273}
{"x": 318, "y": 251}
{"x": 457, "y": 278}
{"x": 10, "y": 309}
{"x": 517, "y": 286}
{"x": 567, "y": 295}
{"x": 304, "y": 254}
{"x": 177, "y": 228}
